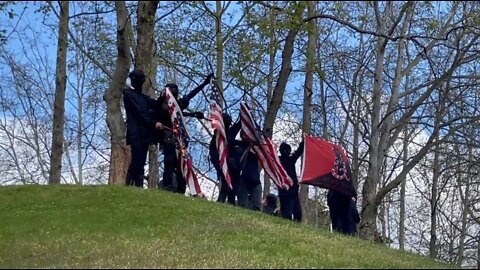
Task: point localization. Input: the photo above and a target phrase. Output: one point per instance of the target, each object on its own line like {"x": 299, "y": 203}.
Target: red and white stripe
{"x": 221, "y": 138}
{"x": 184, "y": 158}
{"x": 264, "y": 149}
{"x": 189, "y": 175}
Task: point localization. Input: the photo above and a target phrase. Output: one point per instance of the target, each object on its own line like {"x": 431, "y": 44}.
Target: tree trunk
{"x": 271, "y": 66}
{"x": 69, "y": 161}
{"x": 356, "y": 143}
{"x": 466, "y": 202}
{"x": 463, "y": 232}
{"x": 60, "y": 89}
{"x": 80, "y": 125}
{"x": 434, "y": 195}
{"x": 286, "y": 68}
{"x": 79, "y": 138}
{"x": 307, "y": 95}
{"x": 120, "y": 152}
{"x": 145, "y": 42}
{"x": 369, "y": 207}
{"x": 401, "y": 233}
{"x": 219, "y": 53}
{"x": 478, "y": 251}
{"x": 219, "y": 45}
{"x": 144, "y": 56}
{"x": 380, "y": 127}
{"x": 153, "y": 151}
{"x": 382, "y": 211}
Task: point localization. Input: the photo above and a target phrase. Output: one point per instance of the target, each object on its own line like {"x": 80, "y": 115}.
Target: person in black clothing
{"x": 355, "y": 217}
{"x": 140, "y": 127}
{"x": 246, "y": 167}
{"x": 225, "y": 192}
{"x": 341, "y": 208}
{"x": 289, "y": 201}
{"x": 270, "y": 205}
{"x": 166, "y": 138}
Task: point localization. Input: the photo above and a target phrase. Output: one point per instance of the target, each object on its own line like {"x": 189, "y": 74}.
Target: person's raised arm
{"x": 197, "y": 89}
{"x": 298, "y": 152}
{"x": 233, "y": 131}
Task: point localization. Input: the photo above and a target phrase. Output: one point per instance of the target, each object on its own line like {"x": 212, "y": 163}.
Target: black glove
{"x": 198, "y": 115}
{"x": 209, "y": 78}
{"x": 183, "y": 103}
{"x": 301, "y": 144}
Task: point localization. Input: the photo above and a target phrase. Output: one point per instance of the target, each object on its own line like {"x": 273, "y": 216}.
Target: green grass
{"x": 120, "y": 227}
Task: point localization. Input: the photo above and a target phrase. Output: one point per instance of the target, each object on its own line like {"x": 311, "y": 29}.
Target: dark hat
{"x": 137, "y": 74}
{"x": 173, "y": 89}
{"x": 227, "y": 117}
{"x": 172, "y": 86}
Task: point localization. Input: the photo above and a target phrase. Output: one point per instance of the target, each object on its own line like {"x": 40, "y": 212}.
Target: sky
{"x": 46, "y": 39}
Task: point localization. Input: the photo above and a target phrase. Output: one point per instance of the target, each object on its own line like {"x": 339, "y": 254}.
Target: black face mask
{"x": 227, "y": 123}
{"x": 174, "y": 93}
{"x": 137, "y": 78}
{"x": 173, "y": 89}
{"x": 285, "y": 149}
{"x": 227, "y": 120}
{"x": 137, "y": 84}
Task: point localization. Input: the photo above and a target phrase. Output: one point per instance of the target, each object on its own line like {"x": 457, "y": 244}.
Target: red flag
{"x": 325, "y": 165}
{"x": 264, "y": 150}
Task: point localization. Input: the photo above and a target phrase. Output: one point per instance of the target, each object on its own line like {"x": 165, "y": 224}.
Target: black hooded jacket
{"x": 288, "y": 162}
{"x": 245, "y": 161}
{"x": 140, "y": 120}
{"x": 338, "y": 199}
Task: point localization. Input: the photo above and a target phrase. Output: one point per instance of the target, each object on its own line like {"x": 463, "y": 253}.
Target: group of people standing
{"x": 149, "y": 122}
{"x": 243, "y": 166}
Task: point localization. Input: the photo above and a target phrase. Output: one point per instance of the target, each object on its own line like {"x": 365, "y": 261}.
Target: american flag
{"x": 181, "y": 136}
{"x": 219, "y": 129}
{"x": 264, "y": 149}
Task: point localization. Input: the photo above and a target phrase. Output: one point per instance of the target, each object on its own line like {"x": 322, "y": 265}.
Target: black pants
{"x": 250, "y": 194}
{"x": 226, "y": 193}
{"x": 171, "y": 170}
{"x": 290, "y": 206}
{"x": 136, "y": 170}
{"x": 342, "y": 218}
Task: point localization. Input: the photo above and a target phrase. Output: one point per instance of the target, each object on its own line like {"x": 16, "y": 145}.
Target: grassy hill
{"x": 120, "y": 227}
